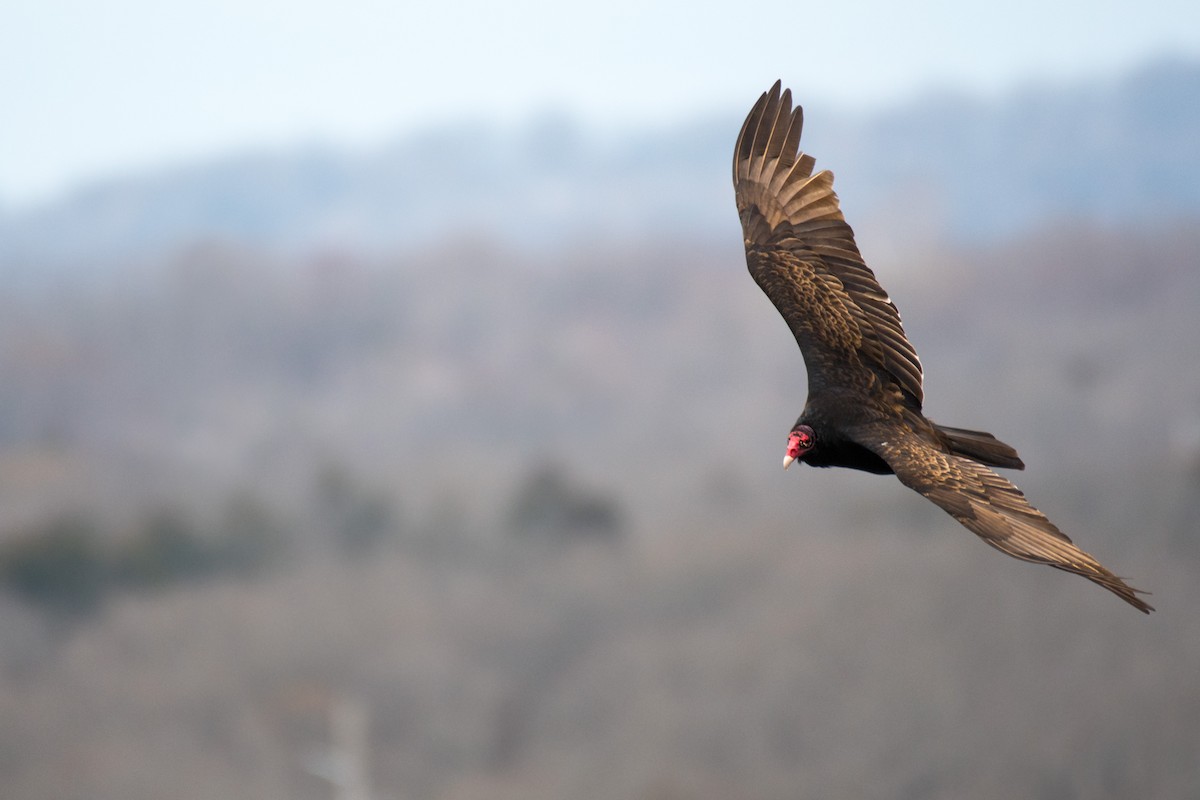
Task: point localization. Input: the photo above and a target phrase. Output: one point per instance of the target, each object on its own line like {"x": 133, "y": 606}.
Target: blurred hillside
{"x": 1113, "y": 152}
{"x": 460, "y": 476}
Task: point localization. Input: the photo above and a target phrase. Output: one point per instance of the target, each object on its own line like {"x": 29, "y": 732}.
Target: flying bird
{"x": 864, "y": 378}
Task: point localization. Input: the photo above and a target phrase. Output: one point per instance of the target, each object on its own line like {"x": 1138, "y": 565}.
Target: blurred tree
{"x": 60, "y": 566}
{"x": 165, "y": 549}
{"x": 548, "y": 502}
{"x": 249, "y": 537}
{"x": 357, "y": 519}
{"x": 68, "y": 566}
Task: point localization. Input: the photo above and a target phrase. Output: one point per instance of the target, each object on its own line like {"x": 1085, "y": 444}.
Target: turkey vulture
{"x": 864, "y": 378}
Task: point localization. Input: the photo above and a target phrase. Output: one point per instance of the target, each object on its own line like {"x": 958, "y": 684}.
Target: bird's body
{"x": 865, "y": 393}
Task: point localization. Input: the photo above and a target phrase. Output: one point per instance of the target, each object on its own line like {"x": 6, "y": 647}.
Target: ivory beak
{"x": 787, "y": 461}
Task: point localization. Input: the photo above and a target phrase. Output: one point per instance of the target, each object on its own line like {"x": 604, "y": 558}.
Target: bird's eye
{"x": 804, "y": 439}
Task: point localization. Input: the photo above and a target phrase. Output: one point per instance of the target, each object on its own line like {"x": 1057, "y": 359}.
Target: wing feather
{"x": 803, "y": 255}
{"x": 994, "y": 509}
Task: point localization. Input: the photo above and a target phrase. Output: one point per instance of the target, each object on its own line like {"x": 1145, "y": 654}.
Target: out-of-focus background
{"x": 386, "y": 412}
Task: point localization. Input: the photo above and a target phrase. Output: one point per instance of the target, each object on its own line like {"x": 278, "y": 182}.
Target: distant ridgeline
{"x": 943, "y": 166}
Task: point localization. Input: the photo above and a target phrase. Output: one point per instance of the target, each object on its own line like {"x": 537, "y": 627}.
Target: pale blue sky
{"x": 90, "y": 89}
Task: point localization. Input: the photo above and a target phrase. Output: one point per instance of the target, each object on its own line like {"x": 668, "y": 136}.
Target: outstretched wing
{"x": 994, "y": 509}
{"x": 802, "y": 254}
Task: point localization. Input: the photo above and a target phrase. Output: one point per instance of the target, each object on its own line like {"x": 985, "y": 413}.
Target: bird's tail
{"x": 981, "y": 446}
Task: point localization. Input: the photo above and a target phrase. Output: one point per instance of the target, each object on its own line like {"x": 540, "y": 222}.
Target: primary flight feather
{"x": 864, "y": 378}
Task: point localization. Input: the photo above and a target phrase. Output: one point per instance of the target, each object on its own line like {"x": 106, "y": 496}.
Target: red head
{"x": 800, "y": 442}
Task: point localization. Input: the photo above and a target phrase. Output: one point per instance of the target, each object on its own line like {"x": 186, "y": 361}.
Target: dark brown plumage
{"x": 864, "y": 378}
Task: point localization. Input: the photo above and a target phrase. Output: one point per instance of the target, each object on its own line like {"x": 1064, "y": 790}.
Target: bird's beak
{"x": 793, "y": 450}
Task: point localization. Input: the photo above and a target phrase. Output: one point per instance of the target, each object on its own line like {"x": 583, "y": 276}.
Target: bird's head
{"x": 800, "y": 441}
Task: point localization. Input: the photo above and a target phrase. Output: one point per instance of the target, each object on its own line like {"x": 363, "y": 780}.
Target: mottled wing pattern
{"x": 802, "y": 254}
{"x": 993, "y": 508}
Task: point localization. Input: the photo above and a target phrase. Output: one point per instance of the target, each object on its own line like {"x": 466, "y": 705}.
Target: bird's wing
{"x": 802, "y": 254}
{"x": 992, "y": 508}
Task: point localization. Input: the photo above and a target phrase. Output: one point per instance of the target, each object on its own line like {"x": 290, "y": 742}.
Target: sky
{"x": 93, "y": 90}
